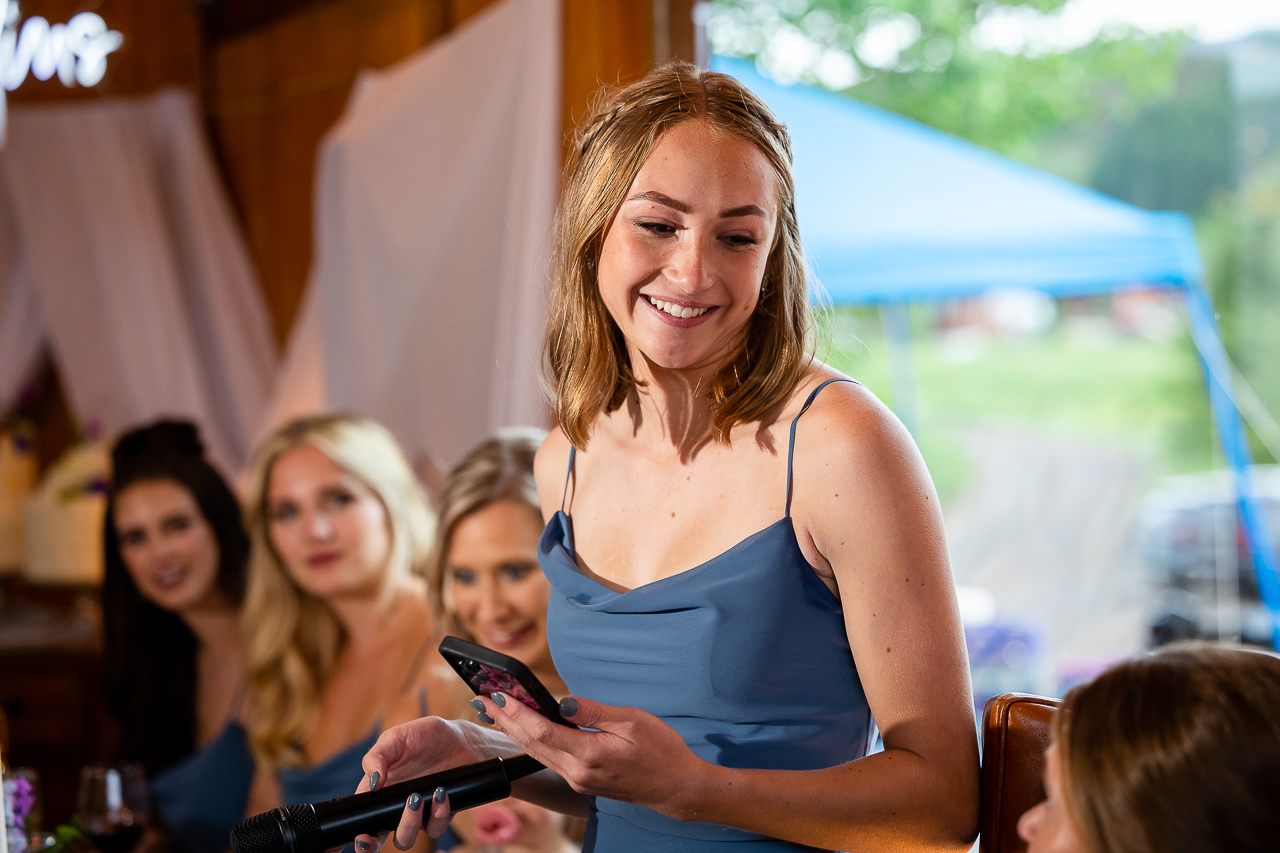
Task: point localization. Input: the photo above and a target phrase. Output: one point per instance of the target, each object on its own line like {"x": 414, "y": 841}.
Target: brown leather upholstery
{"x": 1015, "y": 734}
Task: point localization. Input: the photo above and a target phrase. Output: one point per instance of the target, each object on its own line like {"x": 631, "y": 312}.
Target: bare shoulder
{"x": 857, "y": 469}
{"x": 844, "y": 420}
{"x": 550, "y": 467}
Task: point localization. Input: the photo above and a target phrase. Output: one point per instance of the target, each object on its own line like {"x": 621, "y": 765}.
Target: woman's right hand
{"x": 419, "y": 747}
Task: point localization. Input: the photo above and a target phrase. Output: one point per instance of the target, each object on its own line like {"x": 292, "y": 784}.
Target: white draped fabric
{"x": 434, "y": 198}
{"x": 120, "y": 253}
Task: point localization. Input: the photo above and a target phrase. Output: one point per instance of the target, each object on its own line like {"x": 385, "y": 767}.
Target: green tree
{"x": 919, "y": 58}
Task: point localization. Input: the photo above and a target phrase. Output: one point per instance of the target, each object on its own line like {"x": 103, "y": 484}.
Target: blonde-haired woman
{"x": 745, "y": 549}
{"x": 336, "y": 625}
{"x": 483, "y": 576}
{"x": 484, "y": 580}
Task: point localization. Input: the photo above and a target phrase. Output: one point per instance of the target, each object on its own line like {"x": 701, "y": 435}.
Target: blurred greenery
{"x": 1154, "y": 120}
{"x": 1082, "y": 380}
{"x": 1007, "y": 103}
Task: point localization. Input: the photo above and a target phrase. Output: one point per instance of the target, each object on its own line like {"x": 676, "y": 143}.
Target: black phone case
{"x": 487, "y": 671}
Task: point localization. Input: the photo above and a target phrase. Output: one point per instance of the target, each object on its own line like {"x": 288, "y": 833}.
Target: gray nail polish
{"x": 569, "y": 706}
{"x": 484, "y": 718}
{"x": 498, "y": 699}
{"x": 477, "y": 704}
{"x": 438, "y": 796}
{"x": 373, "y": 780}
{"x": 415, "y": 802}
{"x": 362, "y": 845}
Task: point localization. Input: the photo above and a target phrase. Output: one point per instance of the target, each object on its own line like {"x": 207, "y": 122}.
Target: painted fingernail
{"x": 415, "y": 802}
{"x": 373, "y": 780}
{"x": 438, "y": 796}
{"x": 362, "y": 845}
{"x": 484, "y": 718}
{"x": 498, "y": 699}
{"x": 569, "y": 706}
{"x": 477, "y": 704}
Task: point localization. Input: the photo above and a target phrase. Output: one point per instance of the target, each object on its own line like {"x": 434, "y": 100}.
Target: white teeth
{"x": 681, "y": 311}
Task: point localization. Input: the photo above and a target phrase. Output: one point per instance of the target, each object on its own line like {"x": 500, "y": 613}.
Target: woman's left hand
{"x": 630, "y": 756}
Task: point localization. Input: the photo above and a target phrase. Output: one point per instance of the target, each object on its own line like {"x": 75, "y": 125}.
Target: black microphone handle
{"x": 372, "y": 812}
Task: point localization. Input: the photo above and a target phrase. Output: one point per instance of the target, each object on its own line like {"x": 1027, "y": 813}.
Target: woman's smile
{"x": 683, "y": 260}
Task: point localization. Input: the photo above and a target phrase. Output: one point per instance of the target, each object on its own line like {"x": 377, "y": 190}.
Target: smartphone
{"x": 487, "y": 671}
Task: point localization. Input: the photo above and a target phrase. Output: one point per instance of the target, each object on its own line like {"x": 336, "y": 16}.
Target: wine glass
{"x": 112, "y": 805}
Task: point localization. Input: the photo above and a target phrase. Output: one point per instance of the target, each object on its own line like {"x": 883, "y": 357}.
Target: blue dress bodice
{"x": 201, "y": 798}
{"x": 745, "y": 656}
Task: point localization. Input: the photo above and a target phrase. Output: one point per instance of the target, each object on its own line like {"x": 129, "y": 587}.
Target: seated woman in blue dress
{"x": 746, "y": 552}
{"x": 486, "y": 586}
{"x": 175, "y": 552}
{"x": 336, "y": 624}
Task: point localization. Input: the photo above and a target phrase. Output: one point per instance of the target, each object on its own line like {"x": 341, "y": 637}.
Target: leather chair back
{"x": 1015, "y": 734}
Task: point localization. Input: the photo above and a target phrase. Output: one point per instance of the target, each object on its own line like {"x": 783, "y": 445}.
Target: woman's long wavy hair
{"x": 292, "y": 638}
{"x": 590, "y": 366}
{"x": 501, "y": 468}
{"x": 149, "y": 652}
{"x": 1175, "y": 752}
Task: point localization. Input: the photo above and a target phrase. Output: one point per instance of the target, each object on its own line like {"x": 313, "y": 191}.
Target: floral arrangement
{"x": 19, "y": 797}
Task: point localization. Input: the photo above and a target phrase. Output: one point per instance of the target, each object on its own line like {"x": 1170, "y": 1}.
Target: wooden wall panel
{"x": 275, "y": 92}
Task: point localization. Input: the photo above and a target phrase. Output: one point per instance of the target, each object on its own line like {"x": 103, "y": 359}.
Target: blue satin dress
{"x": 745, "y": 656}
{"x": 201, "y": 798}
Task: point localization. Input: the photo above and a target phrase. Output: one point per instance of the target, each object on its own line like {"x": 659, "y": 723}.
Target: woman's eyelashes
{"x": 177, "y": 524}
{"x": 509, "y": 572}
{"x": 666, "y": 229}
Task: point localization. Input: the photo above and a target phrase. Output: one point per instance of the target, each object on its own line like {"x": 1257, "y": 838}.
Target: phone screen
{"x": 487, "y": 680}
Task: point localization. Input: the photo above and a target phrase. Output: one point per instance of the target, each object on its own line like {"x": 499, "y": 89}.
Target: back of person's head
{"x": 585, "y": 349}
{"x": 149, "y": 658}
{"x": 1176, "y": 751}
{"x": 291, "y": 637}
{"x": 500, "y": 468}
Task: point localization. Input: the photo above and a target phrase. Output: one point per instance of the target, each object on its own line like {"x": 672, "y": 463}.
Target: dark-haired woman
{"x": 175, "y": 553}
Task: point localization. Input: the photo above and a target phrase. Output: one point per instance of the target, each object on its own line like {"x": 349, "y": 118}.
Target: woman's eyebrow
{"x": 664, "y": 200}
{"x": 745, "y": 210}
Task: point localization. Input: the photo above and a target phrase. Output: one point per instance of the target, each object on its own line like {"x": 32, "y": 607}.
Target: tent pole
{"x": 1235, "y": 447}
{"x": 902, "y": 375}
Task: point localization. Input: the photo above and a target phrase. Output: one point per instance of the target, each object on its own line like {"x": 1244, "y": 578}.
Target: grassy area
{"x": 1080, "y": 380}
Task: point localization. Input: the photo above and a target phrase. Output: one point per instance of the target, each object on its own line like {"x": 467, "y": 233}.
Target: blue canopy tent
{"x": 893, "y": 211}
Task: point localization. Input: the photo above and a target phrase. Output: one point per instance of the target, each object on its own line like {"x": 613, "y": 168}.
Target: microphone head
{"x": 292, "y": 829}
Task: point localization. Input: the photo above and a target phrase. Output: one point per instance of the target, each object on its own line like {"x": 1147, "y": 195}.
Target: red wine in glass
{"x": 112, "y": 805}
{"x": 122, "y": 840}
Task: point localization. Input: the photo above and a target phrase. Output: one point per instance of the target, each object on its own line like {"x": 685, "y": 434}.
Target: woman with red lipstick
{"x": 175, "y": 551}
{"x": 747, "y": 560}
{"x": 336, "y": 624}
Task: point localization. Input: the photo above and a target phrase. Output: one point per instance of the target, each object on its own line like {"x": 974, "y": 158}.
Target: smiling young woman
{"x": 483, "y": 575}
{"x": 175, "y": 552}
{"x": 745, "y": 552}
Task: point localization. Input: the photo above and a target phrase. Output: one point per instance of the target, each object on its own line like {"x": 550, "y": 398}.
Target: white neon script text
{"x": 76, "y": 51}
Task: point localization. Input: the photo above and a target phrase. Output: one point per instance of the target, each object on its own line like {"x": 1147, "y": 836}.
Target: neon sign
{"x": 76, "y": 51}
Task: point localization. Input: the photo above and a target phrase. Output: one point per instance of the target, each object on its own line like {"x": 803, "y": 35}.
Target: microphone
{"x": 314, "y": 828}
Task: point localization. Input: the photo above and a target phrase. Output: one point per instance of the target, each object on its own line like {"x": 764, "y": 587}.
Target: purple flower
{"x": 21, "y": 798}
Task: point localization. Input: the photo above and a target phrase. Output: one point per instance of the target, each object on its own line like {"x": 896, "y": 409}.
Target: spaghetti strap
{"x": 791, "y": 446}
{"x": 415, "y": 667}
{"x": 573, "y": 452}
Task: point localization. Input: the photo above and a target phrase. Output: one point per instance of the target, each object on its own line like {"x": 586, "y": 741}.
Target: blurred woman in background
{"x": 336, "y": 625}
{"x": 486, "y": 587}
{"x": 1175, "y": 752}
{"x": 483, "y": 576}
{"x": 175, "y": 553}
